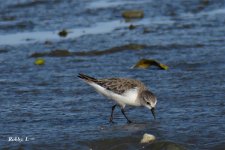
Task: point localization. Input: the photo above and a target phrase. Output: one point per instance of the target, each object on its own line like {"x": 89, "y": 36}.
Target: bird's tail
{"x": 86, "y": 78}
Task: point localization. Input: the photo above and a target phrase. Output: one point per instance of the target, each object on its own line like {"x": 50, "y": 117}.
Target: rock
{"x": 59, "y": 53}
{"x": 205, "y": 2}
{"x": 39, "y": 61}
{"x": 53, "y": 53}
{"x": 164, "y": 145}
{"x": 133, "y": 14}
{"x": 128, "y": 47}
{"x": 64, "y": 52}
{"x": 131, "y": 27}
{"x": 8, "y": 18}
{"x": 145, "y": 63}
{"x": 63, "y": 33}
{"x": 147, "y": 138}
{"x": 3, "y": 51}
{"x": 146, "y": 30}
{"x": 47, "y": 42}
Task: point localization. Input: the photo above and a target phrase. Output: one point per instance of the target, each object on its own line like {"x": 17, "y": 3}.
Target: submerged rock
{"x": 133, "y": 14}
{"x": 112, "y": 50}
{"x": 3, "y": 51}
{"x": 145, "y": 63}
{"x": 147, "y": 138}
{"x": 63, "y": 53}
{"x": 58, "y": 53}
{"x": 7, "y": 18}
{"x": 47, "y": 42}
{"x": 146, "y": 30}
{"x": 114, "y": 143}
{"x": 131, "y": 27}
{"x": 164, "y": 145}
{"x": 63, "y": 33}
{"x": 54, "y": 53}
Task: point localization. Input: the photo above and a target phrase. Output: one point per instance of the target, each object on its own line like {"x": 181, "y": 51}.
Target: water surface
{"x": 55, "y": 110}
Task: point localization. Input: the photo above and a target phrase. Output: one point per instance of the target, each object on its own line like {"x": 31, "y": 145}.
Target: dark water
{"x": 55, "y": 110}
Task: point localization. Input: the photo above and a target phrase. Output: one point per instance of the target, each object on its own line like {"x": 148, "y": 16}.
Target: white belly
{"x": 129, "y": 97}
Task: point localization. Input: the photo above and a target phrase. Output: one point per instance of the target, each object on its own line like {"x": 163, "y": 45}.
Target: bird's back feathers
{"x": 116, "y": 85}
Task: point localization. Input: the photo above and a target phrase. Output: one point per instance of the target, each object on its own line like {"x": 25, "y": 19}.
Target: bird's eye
{"x": 148, "y": 103}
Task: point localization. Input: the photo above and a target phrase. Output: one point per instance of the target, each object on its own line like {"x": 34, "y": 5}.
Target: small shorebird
{"x": 124, "y": 92}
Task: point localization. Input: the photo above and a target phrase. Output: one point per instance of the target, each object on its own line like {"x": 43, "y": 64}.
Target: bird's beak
{"x": 153, "y": 112}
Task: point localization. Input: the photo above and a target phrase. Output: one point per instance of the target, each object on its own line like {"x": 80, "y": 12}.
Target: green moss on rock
{"x": 133, "y": 14}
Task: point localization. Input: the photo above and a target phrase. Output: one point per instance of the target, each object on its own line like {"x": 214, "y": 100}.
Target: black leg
{"x": 111, "y": 117}
{"x": 122, "y": 110}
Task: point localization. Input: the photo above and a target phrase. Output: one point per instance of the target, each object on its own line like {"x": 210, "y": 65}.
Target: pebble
{"x": 147, "y": 138}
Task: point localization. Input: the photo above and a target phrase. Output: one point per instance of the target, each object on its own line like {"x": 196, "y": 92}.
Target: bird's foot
{"x": 111, "y": 120}
{"x": 128, "y": 121}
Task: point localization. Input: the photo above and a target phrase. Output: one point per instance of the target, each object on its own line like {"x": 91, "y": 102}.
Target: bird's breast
{"x": 131, "y": 97}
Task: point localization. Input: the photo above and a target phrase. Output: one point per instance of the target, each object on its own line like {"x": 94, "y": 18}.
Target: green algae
{"x": 133, "y": 14}
{"x": 146, "y": 63}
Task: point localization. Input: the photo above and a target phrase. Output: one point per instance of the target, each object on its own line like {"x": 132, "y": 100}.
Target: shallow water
{"x": 54, "y": 109}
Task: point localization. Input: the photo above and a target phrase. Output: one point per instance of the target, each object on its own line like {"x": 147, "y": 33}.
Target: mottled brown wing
{"x": 117, "y": 85}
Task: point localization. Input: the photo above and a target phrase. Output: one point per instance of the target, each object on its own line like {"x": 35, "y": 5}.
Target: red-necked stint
{"x": 123, "y": 91}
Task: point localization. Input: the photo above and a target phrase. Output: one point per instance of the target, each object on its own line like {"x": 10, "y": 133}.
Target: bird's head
{"x": 148, "y": 99}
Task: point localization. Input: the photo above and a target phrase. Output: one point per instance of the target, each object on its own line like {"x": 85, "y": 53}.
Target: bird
{"x": 124, "y": 91}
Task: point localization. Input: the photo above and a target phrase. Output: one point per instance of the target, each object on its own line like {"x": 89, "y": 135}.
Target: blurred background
{"x": 44, "y": 44}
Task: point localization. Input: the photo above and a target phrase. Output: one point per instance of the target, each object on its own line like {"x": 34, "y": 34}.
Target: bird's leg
{"x": 111, "y": 117}
{"x": 122, "y": 110}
